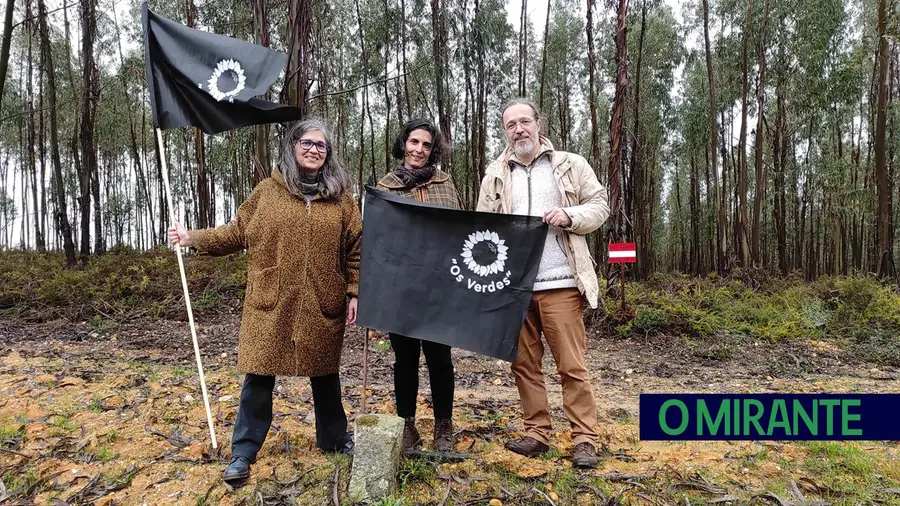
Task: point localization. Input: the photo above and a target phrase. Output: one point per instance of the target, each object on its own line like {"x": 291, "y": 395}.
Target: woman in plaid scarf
{"x": 419, "y": 146}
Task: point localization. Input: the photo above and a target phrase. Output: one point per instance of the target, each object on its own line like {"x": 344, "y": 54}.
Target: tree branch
{"x": 11, "y": 116}
{"x": 377, "y": 81}
{"x": 32, "y": 18}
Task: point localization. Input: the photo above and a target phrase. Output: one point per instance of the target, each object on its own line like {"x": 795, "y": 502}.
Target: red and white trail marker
{"x": 622, "y": 253}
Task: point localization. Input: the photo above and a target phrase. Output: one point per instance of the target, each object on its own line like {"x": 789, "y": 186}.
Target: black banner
{"x": 460, "y": 278}
{"x": 206, "y": 80}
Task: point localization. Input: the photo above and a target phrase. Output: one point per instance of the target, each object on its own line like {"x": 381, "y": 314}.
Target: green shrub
{"x": 39, "y": 287}
{"x": 649, "y": 318}
{"x": 842, "y": 308}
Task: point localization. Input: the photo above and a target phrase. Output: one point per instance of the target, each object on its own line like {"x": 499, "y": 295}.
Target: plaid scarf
{"x": 414, "y": 177}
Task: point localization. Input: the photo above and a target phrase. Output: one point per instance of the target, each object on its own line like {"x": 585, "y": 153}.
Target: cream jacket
{"x": 586, "y": 203}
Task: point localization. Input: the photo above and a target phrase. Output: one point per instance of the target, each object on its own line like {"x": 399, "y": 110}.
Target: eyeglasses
{"x": 525, "y": 122}
{"x": 308, "y": 145}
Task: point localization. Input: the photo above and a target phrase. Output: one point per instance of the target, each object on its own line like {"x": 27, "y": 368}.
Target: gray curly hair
{"x": 334, "y": 179}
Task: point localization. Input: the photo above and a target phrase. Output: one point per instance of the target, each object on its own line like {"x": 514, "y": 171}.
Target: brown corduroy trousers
{"x": 558, "y": 315}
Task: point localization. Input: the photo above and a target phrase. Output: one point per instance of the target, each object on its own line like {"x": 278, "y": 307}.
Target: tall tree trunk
{"x": 855, "y": 232}
{"x": 544, "y": 57}
{"x": 366, "y": 105}
{"x": 469, "y": 125}
{"x": 388, "y": 142}
{"x": 88, "y": 101}
{"x": 730, "y": 174}
{"x": 32, "y": 136}
{"x": 884, "y": 229}
{"x": 799, "y": 215}
{"x": 202, "y": 194}
{"x": 742, "y": 147}
{"x": 99, "y": 231}
{"x": 650, "y": 204}
{"x": 712, "y": 229}
{"x": 637, "y": 174}
{"x": 61, "y": 219}
{"x": 42, "y": 156}
{"x": 563, "y": 110}
{"x": 160, "y": 189}
{"x": 471, "y": 185}
{"x": 720, "y": 207}
{"x": 403, "y": 39}
{"x": 4, "y": 209}
{"x": 895, "y": 215}
{"x": 479, "y": 131}
{"x": 4, "y": 50}
{"x": 838, "y": 209}
{"x": 399, "y": 90}
{"x": 362, "y": 158}
{"x": 871, "y": 249}
{"x": 815, "y": 218}
{"x": 695, "y": 218}
{"x": 779, "y": 160}
{"x": 592, "y": 86}
{"x": 439, "y": 46}
{"x": 682, "y": 262}
{"x": 761, "y": 178}
{"x": 616, "y": 230}
{"x": 807, "y": 202}
{"x": 142, "y": 191}
{"x": 23, "y": 173}
{"x": 861, "y": 217}
{"x": 296, "y": 87}
{"x": 76, "y": 124}
{"x": 371, "y": 136}
{"x": 592, "y": 104}
{"x": 4, "y": 167}
{"x": 261, "y": 31}
{"x": 523, "y": 45}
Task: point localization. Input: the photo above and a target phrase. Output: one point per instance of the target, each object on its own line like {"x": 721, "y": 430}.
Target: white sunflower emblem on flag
{"x": 475, "y": 246}
{"x": 237, "y": 73}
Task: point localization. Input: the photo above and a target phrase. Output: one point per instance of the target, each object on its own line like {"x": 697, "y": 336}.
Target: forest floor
{"x": 109, "y": 411}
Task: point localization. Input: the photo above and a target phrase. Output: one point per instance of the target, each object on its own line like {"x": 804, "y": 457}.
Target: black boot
{"x": 345, "y": 448}
{"x": 238, "y": 470}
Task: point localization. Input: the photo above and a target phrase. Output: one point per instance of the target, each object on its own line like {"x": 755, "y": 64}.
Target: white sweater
{"x": 554, "y": 271}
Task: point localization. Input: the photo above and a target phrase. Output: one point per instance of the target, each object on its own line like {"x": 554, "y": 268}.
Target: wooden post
{"x": 365, "y": 370}
{"x": 622, "y": 253}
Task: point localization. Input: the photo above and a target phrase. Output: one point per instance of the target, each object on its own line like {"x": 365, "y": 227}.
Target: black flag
{"x": 208, "y": 80}
{"x": 460, "y": 278}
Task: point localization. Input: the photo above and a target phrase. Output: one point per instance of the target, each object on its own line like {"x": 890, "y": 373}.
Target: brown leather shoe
{"x": 527, "y": 446}
{"x": 443, "y": 435}
{"x": 585, "y": 456}
{"x": 411, "y": 437}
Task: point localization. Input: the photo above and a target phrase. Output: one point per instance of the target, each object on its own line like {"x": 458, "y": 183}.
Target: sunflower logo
{"x": 235, "y": 71}
{"x": 484, "y": 253}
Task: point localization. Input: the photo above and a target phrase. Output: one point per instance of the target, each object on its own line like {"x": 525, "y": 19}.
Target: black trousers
{"x": 406, "y": 375}
{"x": 254, "y": 416}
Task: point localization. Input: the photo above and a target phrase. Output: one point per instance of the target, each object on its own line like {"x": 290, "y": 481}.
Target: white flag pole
{"x": 184, "y": 286}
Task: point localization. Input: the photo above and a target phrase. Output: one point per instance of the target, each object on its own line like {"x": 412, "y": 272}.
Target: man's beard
{"x": 523, "y": 149}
